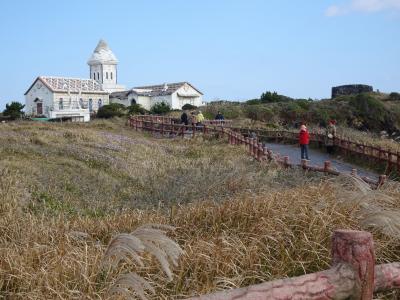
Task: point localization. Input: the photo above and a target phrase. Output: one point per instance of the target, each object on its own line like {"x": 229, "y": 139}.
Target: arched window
{"x": 98, "y": 76}
{"x": 133, "y": 101}
{"x": 100, "y": 103}
{"x": 106, "y": 75}
{"x": 61, "y": 104}
{"x": 81, "y": 104}
{"x": 90, "y": 105}
{"x": 111, "y": 75}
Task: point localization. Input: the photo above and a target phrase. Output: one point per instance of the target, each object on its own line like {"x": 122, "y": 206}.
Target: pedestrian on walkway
{"x": 200, "y": 118}
{"x": 304, "y": 140}
{"x": 184, "y": 118}
{"x": 330, "y": 137}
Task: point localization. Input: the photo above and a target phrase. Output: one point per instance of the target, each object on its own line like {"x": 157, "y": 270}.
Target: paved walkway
{"x": 317, "y": 158}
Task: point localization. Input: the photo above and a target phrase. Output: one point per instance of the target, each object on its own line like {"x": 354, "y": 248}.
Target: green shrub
{"x": 14, "y": 110}
{"x": 270, "y": 97}
{"x": 111, "y": 110}
{"x": 394, "y": 96}
{"x": 160, "y": 108}
{"x": 136, "y": 109}
{"x": 188, "y": 106}
{"x": 259, "y": 113}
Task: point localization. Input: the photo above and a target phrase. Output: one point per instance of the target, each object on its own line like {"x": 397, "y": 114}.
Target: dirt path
{"x": 317, "y": 158}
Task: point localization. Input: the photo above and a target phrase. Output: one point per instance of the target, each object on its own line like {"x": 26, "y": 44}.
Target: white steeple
{"x": 103, "y": 67}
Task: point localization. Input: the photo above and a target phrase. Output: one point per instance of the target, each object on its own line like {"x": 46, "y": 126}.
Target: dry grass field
{"x": 67, "y": 189}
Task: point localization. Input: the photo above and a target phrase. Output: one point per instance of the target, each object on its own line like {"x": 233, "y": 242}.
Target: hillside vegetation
{"x": 68, "y": 188}
{"x": 368, "y": 112}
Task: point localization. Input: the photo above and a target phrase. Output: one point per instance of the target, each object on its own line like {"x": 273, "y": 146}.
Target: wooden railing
{"x": 353, "y": 275}
{"x": 175, "y": 121}
{"x": 166, "y": 128}
{"x": 383, "y": 156}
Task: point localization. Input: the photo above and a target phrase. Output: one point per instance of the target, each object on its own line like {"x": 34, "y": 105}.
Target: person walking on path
{"x": 184, "y": 118}
{"x": 330, "y": 137}
{"x": 219, "y": 116}
{"x": 304, "y": 140}
{"x": 200, "y": 118}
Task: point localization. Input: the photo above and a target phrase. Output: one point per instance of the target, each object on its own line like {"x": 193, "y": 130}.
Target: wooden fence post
{"x": 304, "y": 164}
{"x": 381, "y": 180}
{"x": 286, "y": 161}
{"x": 327, "y": 166}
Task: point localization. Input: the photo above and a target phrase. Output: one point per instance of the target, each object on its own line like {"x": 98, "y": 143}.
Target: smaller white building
{"x": 175, "y": 95}
{"x": 59, "y": 97}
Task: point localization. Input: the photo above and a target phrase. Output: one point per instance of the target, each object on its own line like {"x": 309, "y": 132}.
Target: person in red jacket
{"x": 304, "y": 140}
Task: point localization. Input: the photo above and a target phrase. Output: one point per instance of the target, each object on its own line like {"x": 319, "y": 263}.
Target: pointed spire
{"x": 102, "y": 54}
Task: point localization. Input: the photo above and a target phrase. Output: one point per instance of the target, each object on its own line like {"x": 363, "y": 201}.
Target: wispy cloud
{"x": 364, "y": 6}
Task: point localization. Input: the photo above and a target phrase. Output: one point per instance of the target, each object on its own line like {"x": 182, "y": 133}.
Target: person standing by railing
{"x": 199, "y": 119}
{"x": 184, "y": 118}
{"x": 304, "y": 141}
{"x": 330, "y": 137}
{"x": 219, "y": 117}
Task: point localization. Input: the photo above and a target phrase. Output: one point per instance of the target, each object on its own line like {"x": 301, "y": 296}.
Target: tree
{"x": 14, "y": 110}
{"x": 394, "y": 96}
{"x": 111, "y": 110}
{"x": 160, "y": 108}
{"x": 269, "y": 97}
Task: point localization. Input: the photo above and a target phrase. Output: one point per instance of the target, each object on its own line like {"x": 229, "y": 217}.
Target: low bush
{"x": 111, "y": 110}
{"x": 188, "y": 106}
{"x": 137, "y": 109}
{"x": 160, "y": 108}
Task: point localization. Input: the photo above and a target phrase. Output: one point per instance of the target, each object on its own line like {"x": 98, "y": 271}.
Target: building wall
{"x": 84, "y": 100}
{"x": 40, "y": 91}
{"x": 186, "y": 90}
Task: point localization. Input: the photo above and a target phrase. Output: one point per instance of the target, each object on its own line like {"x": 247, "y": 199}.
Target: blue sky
{"x": 229, "y": 49}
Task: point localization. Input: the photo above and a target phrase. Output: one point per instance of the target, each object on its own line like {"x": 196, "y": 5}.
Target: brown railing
{"x": 345, "y": 145}
{"x": 166, "y": 128}
{"x": 353, "y": 275}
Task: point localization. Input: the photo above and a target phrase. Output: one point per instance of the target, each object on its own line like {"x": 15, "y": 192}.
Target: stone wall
{"x": 351, "y": 89}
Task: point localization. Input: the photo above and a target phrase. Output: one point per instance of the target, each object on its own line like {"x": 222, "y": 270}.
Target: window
{"x": 100, "y": 103}
{"x": 94, "y": 76}
{"x": 98, "y": 76}
{"x": 106, "y": 75}
{"x": 90, "y": 105}
{"x": 111, "y": 75}
{"x": 61, "y": 104}
{"x": 81, "y": 104}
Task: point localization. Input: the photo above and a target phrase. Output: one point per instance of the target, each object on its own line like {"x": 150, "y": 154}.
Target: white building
{"x": 175, "y": 95}
{"x": 75, "y": 98}
{"x": 59, "y": 97}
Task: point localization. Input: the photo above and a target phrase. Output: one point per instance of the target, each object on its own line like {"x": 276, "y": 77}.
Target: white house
{"x": 75, "y": 98}
{"x": 175, "y": 95}
{"x": 58, "y": 97}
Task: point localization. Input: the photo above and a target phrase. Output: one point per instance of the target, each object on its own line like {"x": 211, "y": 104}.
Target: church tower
{"x": 103, "y": 67}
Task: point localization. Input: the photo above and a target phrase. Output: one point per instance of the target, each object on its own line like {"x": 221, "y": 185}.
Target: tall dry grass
{"x": 234, "y": 235}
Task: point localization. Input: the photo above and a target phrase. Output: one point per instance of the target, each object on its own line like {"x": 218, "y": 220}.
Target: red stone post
{"x": 381, "y": 180}
{"x": 350, "y": 277}
{"x": 304, "y": 163}
{"x": 327, "y": 166}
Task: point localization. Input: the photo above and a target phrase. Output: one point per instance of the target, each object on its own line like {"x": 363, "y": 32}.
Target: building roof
{"x": 72, "y": 85}
{"x": 102, "y": 55}
{"x": 160, "y": 89}
{"x": 120, "y": 95}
